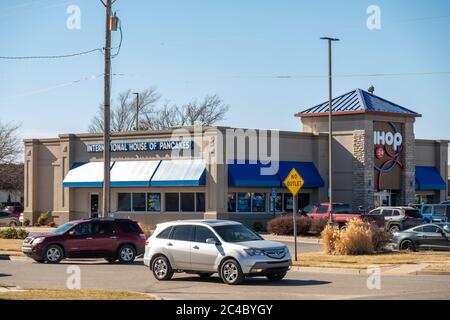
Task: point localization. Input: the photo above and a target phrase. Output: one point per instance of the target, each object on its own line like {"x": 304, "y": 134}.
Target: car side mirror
{"x": 213, "y": 241}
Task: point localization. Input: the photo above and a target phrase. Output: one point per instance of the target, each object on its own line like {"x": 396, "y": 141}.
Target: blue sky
{"x": 188, "y": 49}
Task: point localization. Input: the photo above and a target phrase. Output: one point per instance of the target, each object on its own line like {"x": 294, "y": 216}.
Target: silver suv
{"x": 399, "y": 218}
{"x": 205, "y": 247}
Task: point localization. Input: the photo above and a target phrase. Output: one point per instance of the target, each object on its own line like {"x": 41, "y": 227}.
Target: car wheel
{"x": 54, "y": 254}
{"x": 205, "y": 275}
{"x": 276, "y": 276}
{"x": 393, "y": 229}
{"x": 161, "y": 268}
{"x": 111, "y": 260}
{"x": 407, "y": 245}
{"x": 230, "y": 272}
{"x": 12, "y": 224}
{"x": 127, "y": 254}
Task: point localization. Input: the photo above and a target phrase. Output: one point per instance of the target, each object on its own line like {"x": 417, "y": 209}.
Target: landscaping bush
{"x": 318, "y": 225}
{"x": 13, "y": 233}
{"x": 257, "y": 226}
{"x": 43, "y": 219}
{"x": 359, "y": 237}
{"x": 26, "y": 222}
{"x": 283, "y": 225}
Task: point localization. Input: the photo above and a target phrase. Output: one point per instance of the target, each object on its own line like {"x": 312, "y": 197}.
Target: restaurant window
{"x": 258, "y": 202}
{"x": 200, "y": 202}
{"x": 244, "y": 202}
{"x": 231, "y": 202}
{"x": 278, "y": 203}
{"x": 153, "y": 202}
{"x": 139, "y": 202}
{"x": 187, "y": 202}
{"x": 288, "y": 202}
{"x": 124, "y": 202}
{"x": 172, "y": 202}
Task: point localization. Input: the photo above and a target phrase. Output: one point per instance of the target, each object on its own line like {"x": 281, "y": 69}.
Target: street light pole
{"x": 330, "y": 128}
{"x": 137, "y": 110}
{"x": 106, "y": 120}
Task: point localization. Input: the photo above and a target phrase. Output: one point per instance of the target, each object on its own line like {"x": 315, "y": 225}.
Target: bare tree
{"x": 123, "y": 113}
{"x": 11, "y": 177}
{"x": 10, "y": 143}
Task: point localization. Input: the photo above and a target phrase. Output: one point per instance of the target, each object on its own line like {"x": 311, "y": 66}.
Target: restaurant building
{"x": 228, "y": 173}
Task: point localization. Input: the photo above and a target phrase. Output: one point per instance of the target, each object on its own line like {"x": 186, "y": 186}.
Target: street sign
{"x": 294, "y": 182}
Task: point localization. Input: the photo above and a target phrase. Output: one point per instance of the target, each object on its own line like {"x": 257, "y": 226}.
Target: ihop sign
{"x": 142, "y": 146}
{"x": 392, "y": 139}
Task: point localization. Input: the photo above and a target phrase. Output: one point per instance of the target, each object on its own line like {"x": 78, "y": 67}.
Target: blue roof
{"x": 249, "y": 174}
{"x": 429, "y": 178}
{"x": 358, "y": 101}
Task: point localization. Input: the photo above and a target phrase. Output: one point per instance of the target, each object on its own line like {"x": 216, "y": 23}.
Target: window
{"x": 288, "y": 202}
{"x": 153, "y": 202}
{"x": 187, "y": 202}
{"x": 4, "y": 214}
{"x": 431, "y": 229}
{"x": 387, "y": 213}
{"x": 165, "y": 233}
{"x": 427, "y": 209}
{"x": 236, "y": 233}
{"x": 278, "y": 203}
{"x": 258, "y": 202}
{"x": 322, "y": 209}
{"x": 103, "y": 228}
{"x": 232, "y": 202}
{"x": 413, "y": 213}
{"x": 440, "y": 210}
{"x": 182, "y": 233}
{"x": 341, "y": 208}
{"x": 124, "y": 202}
{"x": 138, "y": 202}
{"x": 376, "y": 212}
{"x": 395, "y": 213}
{"x": 244, "y": 201}
{"x": 172, "y": 202}
{"x": 200, "y": 201}
{"x": 128, "y": 226}
{"x": 203, "y": 233}
{"x": 83, "y": 229}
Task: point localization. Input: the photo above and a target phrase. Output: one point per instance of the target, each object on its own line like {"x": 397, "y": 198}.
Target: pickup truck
{"x": 342, "y": 214}
{"x": 434, "y": 213}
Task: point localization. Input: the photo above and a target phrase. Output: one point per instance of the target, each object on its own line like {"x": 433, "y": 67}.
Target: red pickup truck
{"x": 341, "y": 214}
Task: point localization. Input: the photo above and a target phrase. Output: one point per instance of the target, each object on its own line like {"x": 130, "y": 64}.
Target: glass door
{"x": 382, "y": 199}
{"x": 94, "y": 198}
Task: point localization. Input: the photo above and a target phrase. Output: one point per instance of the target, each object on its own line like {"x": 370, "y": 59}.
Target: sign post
{"x": 274, "y": 196}
{"x": 294, "y": 182}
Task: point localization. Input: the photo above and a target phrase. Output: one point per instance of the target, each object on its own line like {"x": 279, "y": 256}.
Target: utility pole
{"x": 137, "y": 110}
{"x": 330, "y": 128}
{"x": 106, "y": 116}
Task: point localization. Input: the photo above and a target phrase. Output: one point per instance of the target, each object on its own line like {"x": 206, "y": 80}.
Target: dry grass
{"x": 65, "y": 294}
{"x": 322, "y": 260}
{"x": 11, "y": 245}
{"x": 438, "y": 267}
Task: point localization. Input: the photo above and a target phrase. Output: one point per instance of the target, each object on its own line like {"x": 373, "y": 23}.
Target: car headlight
{"x": 37, "y": 241}
{"x": 254, "y": 252}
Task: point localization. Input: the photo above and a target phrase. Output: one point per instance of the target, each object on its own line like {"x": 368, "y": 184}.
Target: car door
{"x": 434, "y": 238}
{"x": 178, "y": 246}
{"x": 78, "y": 241}
{"x": 204, "y": 255}
{"x": 104, "y": 242}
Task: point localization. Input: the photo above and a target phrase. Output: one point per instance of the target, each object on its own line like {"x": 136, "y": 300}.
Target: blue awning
{"x": 248, "y": 174}
{"x": 185, "y": 173}
{"x": 133, "y": 173}
{"x": 429, "y": 178}
{"x": 85, "y": 175}
{"x": 307, "y": 170}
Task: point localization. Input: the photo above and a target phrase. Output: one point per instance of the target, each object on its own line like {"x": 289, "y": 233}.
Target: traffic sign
{"x": 294, "y": 182}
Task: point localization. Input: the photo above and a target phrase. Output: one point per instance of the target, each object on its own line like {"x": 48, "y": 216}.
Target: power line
{"x": 51, "y": 56}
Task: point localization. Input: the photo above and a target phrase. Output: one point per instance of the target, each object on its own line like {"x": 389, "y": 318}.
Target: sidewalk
{"x": 301, "y": 239}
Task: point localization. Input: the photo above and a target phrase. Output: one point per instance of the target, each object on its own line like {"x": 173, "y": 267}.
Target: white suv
{"x": 205, "y": 247}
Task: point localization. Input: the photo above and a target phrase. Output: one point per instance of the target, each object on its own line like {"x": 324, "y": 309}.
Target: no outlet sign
{"x": 294, "y": 182}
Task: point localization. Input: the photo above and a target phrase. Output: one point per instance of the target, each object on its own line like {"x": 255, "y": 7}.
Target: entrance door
{"x": 94, "y": 205}
{"x": 382, "y": 199}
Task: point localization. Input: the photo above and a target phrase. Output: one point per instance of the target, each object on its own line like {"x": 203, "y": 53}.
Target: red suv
{"x": 109, "y": 238}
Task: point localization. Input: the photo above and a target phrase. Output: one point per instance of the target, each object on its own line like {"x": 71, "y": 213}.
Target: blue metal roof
{"x": 429, "y": 178}
{"x": 358, "y": 101}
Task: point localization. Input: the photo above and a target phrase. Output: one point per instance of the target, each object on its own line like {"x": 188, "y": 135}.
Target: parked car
{"x": 399, "y": 218}
{"x": 205, "y": 247}
{"x": 446, "y": 202}
{"x": 342, "y": 213}
{"x": 434, "y": 213}
{"x": 431, "y": 236}
{"x": 109, "y": 238}
{"x": 8, "y": 220}
{"x": 15, "y": 210}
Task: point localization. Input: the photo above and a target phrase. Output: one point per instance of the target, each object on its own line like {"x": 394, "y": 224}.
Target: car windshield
{"x": 63, "y": 228}
{"x": 440, "y": 210}
{"x": 236, "y": 233}
{"x": 341, "y": 208}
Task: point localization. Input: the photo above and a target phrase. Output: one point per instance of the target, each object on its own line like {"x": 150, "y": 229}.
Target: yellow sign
{"x": 294, "y": 182}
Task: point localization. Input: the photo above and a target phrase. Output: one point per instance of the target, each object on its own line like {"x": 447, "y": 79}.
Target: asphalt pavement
{"x": 297, "y": 284}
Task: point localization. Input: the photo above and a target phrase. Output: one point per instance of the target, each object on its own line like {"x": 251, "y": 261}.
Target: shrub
{"x": 380, "y": 237}
{"x": 26, "y": 222}
{"x": 283, "y": 225}
{"x": 146, "y": 229}
{"x": 257, "y": 226}
{"x": 13, "y": 233}
{"x": 43, "y": 219}
{"x": 318, "y": 225}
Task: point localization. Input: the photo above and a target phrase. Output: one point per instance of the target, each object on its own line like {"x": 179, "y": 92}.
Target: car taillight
{"x": 147, "y": 242}
{"x": 142, "y": 235}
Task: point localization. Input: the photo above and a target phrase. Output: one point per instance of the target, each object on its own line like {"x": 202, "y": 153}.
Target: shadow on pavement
{"x": 257, "y": 281}
{"x": 5, "y": 275}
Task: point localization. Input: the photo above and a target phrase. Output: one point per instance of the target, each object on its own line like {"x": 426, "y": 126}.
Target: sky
{"x": 264, "y": 58}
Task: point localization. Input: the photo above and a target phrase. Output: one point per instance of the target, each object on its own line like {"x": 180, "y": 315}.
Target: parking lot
{"x": 297, "y": 284}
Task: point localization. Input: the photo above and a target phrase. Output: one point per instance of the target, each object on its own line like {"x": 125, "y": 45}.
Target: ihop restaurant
{"x": 216, "y": 172}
